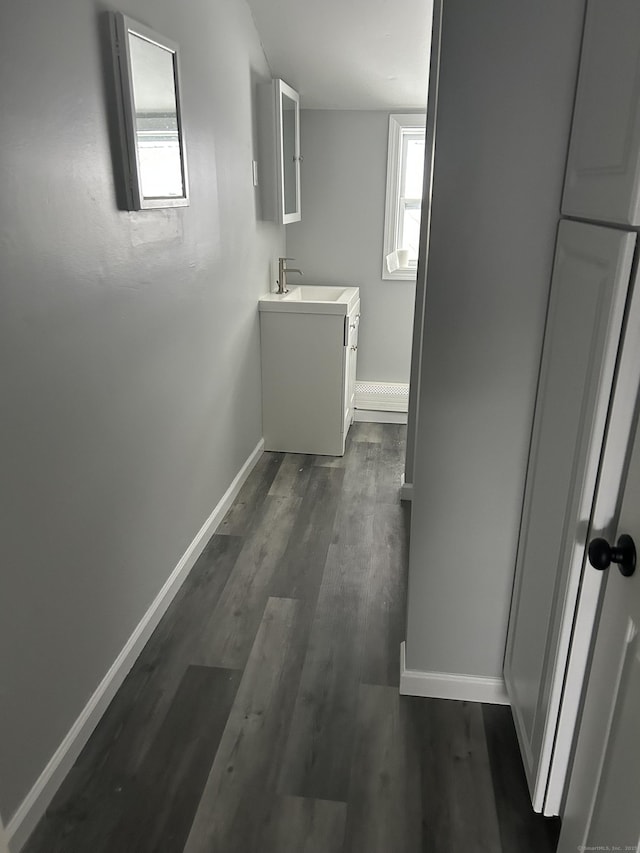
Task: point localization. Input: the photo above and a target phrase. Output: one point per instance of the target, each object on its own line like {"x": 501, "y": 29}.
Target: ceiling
{"x": 348, "y": 54}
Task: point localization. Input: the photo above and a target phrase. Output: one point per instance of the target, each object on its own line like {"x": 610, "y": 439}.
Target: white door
{"x": 603, "y": 168}
{"x": 602, "y": 810}
{"x": 586, "y": 309}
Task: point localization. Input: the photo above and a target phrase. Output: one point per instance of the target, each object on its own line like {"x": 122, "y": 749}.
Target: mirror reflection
{"x": 156, "y": 119}
{"x": 289, "y": 154}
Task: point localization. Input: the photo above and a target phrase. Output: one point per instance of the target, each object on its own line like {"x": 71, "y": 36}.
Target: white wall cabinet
{"x": 603, "y": 168}
{"x": 554, "y": 607}
{"x": 308, "y": 373}
{"x": 279, "y": 172}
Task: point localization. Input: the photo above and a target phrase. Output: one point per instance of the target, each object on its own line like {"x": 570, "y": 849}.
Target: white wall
{"x": 507, "y": 79}
{"x": 4, "y": 848}
{"x": 425, "y": 235}
{"x": 339, "y": 239}
{"x": 129, "y": 348}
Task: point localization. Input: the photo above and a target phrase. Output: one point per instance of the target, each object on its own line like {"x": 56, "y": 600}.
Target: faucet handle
{"x": 287, "y": 259}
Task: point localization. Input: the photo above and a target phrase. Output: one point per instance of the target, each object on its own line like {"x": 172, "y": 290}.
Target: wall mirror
{"x": 149, "y": 89}
{"x": 288, "y": 111}
{"x": 289, "y": 153}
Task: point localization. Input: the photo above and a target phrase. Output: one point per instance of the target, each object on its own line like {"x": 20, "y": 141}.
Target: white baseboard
{"x": 37, "y": 800}
{"x": 406, "y": 490}
{"x": 369, "y": 416}
{"x": 450, "y": 685}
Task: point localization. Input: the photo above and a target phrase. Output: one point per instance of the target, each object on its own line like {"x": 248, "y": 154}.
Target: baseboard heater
{"x": 382, "y": 396}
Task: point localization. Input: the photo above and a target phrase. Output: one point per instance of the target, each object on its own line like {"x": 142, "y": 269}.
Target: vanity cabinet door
{"x": 351, "y": 353}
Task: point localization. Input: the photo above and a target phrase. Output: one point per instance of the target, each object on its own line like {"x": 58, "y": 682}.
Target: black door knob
{"x": 601, "y": 554}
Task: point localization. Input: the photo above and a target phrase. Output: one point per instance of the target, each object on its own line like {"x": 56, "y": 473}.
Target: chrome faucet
{"x": 282, "y": 274}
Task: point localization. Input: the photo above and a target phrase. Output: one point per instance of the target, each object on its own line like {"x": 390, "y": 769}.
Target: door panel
{"x": 602, "y": 801}
{"x": 615, "y": 803}
{"x": 588, "y": 293}
{"x": 603, "y": 169}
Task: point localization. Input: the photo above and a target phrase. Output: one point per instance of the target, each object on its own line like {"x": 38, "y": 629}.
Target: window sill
{"x": 399, "y": 275}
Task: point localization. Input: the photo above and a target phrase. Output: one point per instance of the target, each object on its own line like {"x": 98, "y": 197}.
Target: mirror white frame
{"x": 137, "y": 171}
{"x": 288, "y": 151}
{"x": 279, "y": 151}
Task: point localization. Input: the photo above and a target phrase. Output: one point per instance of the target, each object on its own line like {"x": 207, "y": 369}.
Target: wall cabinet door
{"x": 279, "y": 174}
{"x": 586, "y": 308}
{"x": 603, "y": 169}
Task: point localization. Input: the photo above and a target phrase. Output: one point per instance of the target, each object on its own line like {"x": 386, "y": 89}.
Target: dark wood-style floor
{"x": 264, "y": 716}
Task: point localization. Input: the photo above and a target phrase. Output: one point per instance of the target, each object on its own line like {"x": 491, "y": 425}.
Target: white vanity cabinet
{"x": 309, "y": 351}
{"x": 279, "y": 160}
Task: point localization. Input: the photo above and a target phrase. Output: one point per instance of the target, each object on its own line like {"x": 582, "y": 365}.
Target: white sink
{"x": 312, "y": 299}
{"x": 314, "y": 293}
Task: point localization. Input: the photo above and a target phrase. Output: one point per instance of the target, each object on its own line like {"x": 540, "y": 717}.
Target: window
{"x": 405, "y": 164}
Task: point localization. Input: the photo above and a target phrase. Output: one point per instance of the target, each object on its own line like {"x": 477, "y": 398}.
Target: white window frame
{"x": 401, "y": 128}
